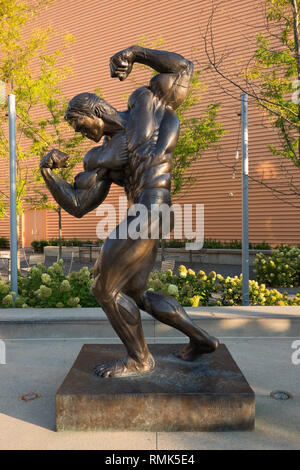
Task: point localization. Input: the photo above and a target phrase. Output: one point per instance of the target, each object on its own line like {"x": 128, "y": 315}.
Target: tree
{"x": 271, "y": 77}
{"x": 197, "y": 134}
{"x": 56, "y": 132}
{"x": 35, "y": 77}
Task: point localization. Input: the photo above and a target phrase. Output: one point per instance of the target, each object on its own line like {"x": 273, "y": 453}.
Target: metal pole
{"x": 13, "y": 193}
{"x": 245, "y": 229}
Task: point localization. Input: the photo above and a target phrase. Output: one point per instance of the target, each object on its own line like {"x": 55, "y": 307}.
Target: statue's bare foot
{"x": 125, "y": 367}
{"x": 195, "y": 348}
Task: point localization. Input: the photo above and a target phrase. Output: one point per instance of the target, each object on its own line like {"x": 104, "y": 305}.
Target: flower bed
{"x": 193, "y": 290}
{"x": 51, "y": 288}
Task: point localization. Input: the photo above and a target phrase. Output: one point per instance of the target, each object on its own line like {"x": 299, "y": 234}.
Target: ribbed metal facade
{"x": 103, "y": 28}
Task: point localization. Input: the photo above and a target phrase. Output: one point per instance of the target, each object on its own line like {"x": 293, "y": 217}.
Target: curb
{"x": 91, "y": 323}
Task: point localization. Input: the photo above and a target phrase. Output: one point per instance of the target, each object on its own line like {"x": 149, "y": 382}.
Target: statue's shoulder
{"x": 144, "y": 94}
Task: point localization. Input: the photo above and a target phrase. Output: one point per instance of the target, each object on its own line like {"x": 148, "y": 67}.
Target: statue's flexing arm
{"x": 168, "y": 88}
{"x": 174, "y": 71}
{"x": 89, "y": 189}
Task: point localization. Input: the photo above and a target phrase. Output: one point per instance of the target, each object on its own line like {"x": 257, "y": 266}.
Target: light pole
{"x": 245, "y": 212}
{"x": 13, "y": 193}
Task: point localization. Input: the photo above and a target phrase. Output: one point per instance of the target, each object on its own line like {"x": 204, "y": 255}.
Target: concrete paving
{"x": 40, "y": 366}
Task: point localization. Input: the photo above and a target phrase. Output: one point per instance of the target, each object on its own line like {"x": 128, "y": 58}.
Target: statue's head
{"x": 91, "y": 115}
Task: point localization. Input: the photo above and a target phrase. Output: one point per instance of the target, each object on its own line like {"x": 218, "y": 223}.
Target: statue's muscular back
{"x": 150, "y": 163}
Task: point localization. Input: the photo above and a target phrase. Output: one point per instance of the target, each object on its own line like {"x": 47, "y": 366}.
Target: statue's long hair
{"x": 90, "y": 104}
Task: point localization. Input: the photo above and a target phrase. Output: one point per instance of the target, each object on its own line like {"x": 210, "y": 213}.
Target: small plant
{"x": 281, "y": 269}
{"x": 38, "y": 245}
{"x": 50, "y": 288}
{"x": 189, "y": 289}
{"x": 231, "y": 293}
{"x": 4, "y": 242}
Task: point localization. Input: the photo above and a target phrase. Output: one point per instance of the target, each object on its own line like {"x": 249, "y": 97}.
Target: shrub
{"x": 187, "y": 287}
{"x": 231, "y": 293}
{"x": 194, "y": 290}
{"x": 4, "y": 242}
{"x": 260, "y": 246}
{"x": 38, "y": 245}
{"x": 281, "y": 269}
{"x": 174, "y": 243}
{"x": 50, "y": 288}
{"x": 234, "y": 245}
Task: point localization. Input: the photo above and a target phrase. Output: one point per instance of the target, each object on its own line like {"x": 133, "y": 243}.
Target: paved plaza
{"x": 40, "y": 366}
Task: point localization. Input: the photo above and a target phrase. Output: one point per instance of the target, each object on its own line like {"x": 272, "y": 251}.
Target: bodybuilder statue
{"x": 137, "y": 154}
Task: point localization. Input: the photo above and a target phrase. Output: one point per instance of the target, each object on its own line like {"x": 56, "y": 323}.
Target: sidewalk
{"x": 41, "y": 365}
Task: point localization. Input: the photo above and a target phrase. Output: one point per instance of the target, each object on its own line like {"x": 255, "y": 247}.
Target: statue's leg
{"x": 167, "y": 310}
{"x": 120, "y": 261}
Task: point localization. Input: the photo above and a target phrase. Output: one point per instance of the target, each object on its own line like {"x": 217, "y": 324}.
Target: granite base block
{"x": 208, "y": 394}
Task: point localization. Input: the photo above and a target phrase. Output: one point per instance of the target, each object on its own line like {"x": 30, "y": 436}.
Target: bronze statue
{"x": 137, "y": 154}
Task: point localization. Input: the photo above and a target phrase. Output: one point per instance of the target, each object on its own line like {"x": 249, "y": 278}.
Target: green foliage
{"x": 231, "y": 293}
{"x": 234, "y": 244}
{"x": 281, "y": 269}
{"x": 218, "y": 244}
{"x": 260, "y": 246}
{"x": 4, "y": 242}
{"x": 5, "y": 294}
{"x": 39, "y": 245}
{"x": 191, "y": 289}
{"x": 50, "y": 288}
{"x": 275, "y": 66}
{"x": 71, "y": 242}
{"x": 35, "y": 76}
{"x": 196, "y": 135}
{"x": 174, "y": 243}
{"x": 215, "y": 244}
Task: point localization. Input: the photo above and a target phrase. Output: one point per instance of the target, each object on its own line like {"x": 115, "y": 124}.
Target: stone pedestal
{"x": 209, "y": 394}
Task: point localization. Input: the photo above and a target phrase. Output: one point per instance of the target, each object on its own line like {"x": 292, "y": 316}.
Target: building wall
{"x": 103, "y": 28}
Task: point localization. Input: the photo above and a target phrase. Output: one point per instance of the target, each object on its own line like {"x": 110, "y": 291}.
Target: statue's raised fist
{"x": 54, "y": 159}
{"x": 121, "y": 63}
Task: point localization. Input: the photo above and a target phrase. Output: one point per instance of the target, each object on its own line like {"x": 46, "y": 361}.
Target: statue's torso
{"x": 145, "y": 170}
